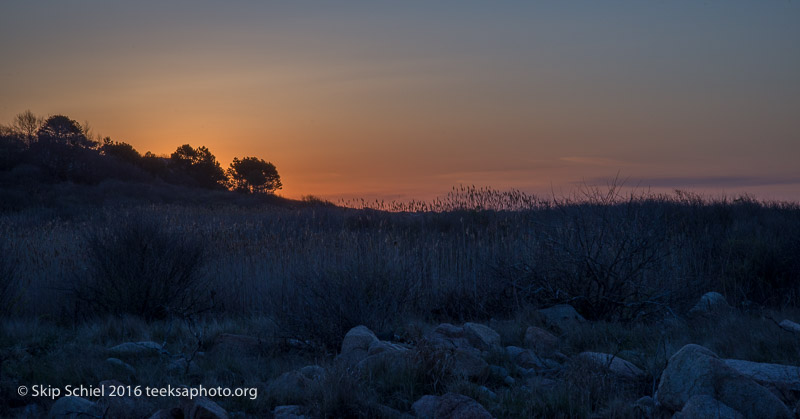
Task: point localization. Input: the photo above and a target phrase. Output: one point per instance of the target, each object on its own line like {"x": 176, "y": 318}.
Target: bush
{"x": 9, "y": 295}
{"x": 606, "y": 256}
{"x": 140, "y": 267}
{"x": 321, "y": 307}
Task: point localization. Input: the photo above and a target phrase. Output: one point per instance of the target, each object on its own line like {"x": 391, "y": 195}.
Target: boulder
{"x": 448, "y": 342}
{"x": 425, "y": 407}
{"x": 380, "y": 346}
{"x": 182, "y": 365}
{"x": 562, "y": 316}
{"x": 449, "y": 330}
{"x": 525, "y": 358}
{"x": 449, "y": 406}
{"x": 288, "y": 412}
{"x": 123, "y": 406}
{"x": 292, "y": 386}
{"x": 711, "y": 304}
{"x": 774, "y": 375}
{"x": 706, "y": 407}
{"x": 644, "y": 407}
{"x": 467, "y": 364}
{"x": 482, "y": 337}
{"x": 390, "y": 358}
{"x": 790, "y": 326}
{"x": 203, "y": 408}
{"x": 541, "y": 341}
{"x": 174, "y": 413}
{"x": 447, "y": 336}
{"x": 696, "y": 371}
{"x": 613, "y": 364}
{"x": 120, "y": 366}
{"x": 31, "y": 411}
{"x": 136, "y": 350}
{"x": 71, "y": 407}
{"x": 356, "y": 343}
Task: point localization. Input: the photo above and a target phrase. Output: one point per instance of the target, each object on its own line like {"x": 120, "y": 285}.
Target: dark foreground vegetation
{"x": 244, "y": 293}
{"x": 138, "y": 270}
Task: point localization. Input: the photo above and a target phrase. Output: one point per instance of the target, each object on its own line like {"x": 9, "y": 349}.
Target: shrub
{"x": 140, "y": 267}
{"x": 606, "y": 255}
{"x": 321, "y": 307}
{"x": 9, "y": 295}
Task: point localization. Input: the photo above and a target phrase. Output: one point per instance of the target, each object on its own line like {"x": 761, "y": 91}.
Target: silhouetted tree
{"x": 254, "y": 175}
{"x": 158, "y": 166}
{"x": 11, "y": 149}
{"x": 122, "y": 151}
{"x": 62, "y": 130}
{"x": 25, "y": 125}
{"x": 200, "y": 165}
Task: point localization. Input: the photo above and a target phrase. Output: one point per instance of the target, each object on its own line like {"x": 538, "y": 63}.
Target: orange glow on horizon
{"x": 393, "y": 101}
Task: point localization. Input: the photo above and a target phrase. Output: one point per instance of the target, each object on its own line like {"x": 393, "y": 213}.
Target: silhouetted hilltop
{"x": 58, "y": 162}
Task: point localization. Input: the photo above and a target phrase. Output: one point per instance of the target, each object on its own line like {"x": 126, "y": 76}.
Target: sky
{"x": 404, "y": 100}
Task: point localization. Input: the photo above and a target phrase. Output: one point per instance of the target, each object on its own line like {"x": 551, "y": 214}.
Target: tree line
{"x": 57, "y": 148}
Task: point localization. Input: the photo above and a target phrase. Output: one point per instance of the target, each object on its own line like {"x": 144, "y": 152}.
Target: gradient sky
{"x": 400, "y": 100}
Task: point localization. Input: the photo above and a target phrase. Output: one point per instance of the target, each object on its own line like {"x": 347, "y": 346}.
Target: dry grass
{"x": 634, "y": 264}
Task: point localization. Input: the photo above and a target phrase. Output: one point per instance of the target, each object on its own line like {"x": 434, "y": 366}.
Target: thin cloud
{"x": 595, "y": 161}
{"x": 706, "y": 181}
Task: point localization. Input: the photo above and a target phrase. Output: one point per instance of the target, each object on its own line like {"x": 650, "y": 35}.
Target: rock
{"x": 288, "y": 412}
{"x": 706, "y": 407}
{"x": 447, "y": 336}
{"x": 468, "y": 364}
{"x": 613, "y": 364}
{"x": 122, "y": 405}
{"x": 135, "y": 350}
{"x": 203, "y": 408}
{"x": 238, "y": 344}
{"x": 644, "y": 407}
{"x": 447, "y": 342}
{"x": 711, "y": 304}
{"x": 181, "y": 365}
{"x": 425, "y": 407}
{"x": 450, "y": 331}
{"x": 291, "y": 386}
{"x": 696, "y": 371}
{"x": 71, "y": 407}
{"x": 356, "y": 343}
{"x": 31, "y": 411}
{"x": 541, "y": 341}
{"x": 790, "y": 326}
{"x": 378, "y": 347}
{"x": 454, "y": 406}
{"x": 562, "y": 316}
{"x": 121, "y": 366}
{"x": 482, "y": 337}
{"x": 775, "y": 375}
{"x": 387, "y": 357}
{"x": 174, "y": 413}
{"x": 449, "y": 406}
{"x": 525, "y": 358}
